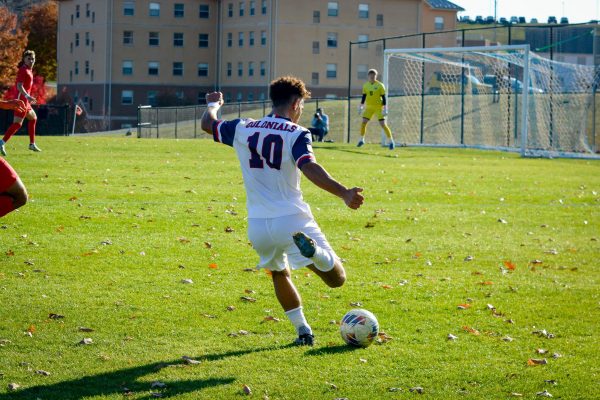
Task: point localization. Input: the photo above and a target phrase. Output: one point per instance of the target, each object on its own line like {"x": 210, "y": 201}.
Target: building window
{"x": 76, "y": 68}
{"x": 332, "y": 9}
{"x": 93, "y": 19}
{"x": 331, "y": 39}
{"x": 250, "y": 39}
{"x": 153, "y": 39}
{"x": 178, "y": 10}
{"x": 362, "y": 39}
{"x": 251, "y": 68}
{"x": 229, "y": 39}
{"x": 127, "y": 37}
{"x": 263, "y": 7}
{"x": 92, "y": 79}
{"x": 252, "y": 7}
{"x": 263, "y": 38}
{"x": 93, "y": 46}
{"x": 203, "y": 69}
{"x": 87, "y": 10}
{"x": 242, "y": 5}
{"x": 361, "y": 71}
{"x": 129, "y": 8}
{"x": 240, "y": 96}
{"x": 379, "y": 19}
{"x": 87, "y": 38}
{"x": 154, "y": 10}
{"x": 204, "y": 11}
{"x": 153, "y": 68}
{"x": 229, "y": 68}
{"x": 71, "y": 47}
{"x": 70, "y": 76}
{"x": 241, "y": 39}
{"x": 240, "y": 69}
{"x": 331, "y": 71}
{"x": 127, "y": 67}
{"x": 315, "y": 78}
{"x": 77, "y": 40}
{"x": 151, "y": 98}
{"x": 439, "y": 23}
{"x": 230, "y": 10}
{"x": 127, "y": 97}
{"x": 262, "y": 96}
{"x": 251, "y": 96}
{"x": 316, "y": 48}
{"x": 178, "y": 68}
{"x": 87, "y": 67}
{"x": 363, "y": 11}
{"x": 316, "y": 17}
{"x": 71, "y": 19}
{"x": 178, "y": 39}
{"x": 203, "y": 40}
{"x": 77, "y": 11}
{"x": 263, "y": 68}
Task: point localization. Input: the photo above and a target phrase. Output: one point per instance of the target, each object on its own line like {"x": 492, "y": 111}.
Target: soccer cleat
{"x": 2, "y": 149}
{"x": 305, "y": 244}
{"x": 33, "y": 147}
{"x": 305, "y": 340}
{"x": 392, "y": 145}
{"x": 360, "y": 143}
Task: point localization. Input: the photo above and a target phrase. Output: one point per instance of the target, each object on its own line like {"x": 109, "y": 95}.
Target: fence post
{"x": 176, "y": 121}
{"x": 462, "y": 97}
{"x": 423, "y": 44}
{"x": 349, "y": 92}
{"x": 157, "y": 123}
{"x": 195, "y": 122}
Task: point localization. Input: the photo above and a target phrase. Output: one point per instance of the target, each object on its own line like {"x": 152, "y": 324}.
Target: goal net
{"x": 498, "y": 97}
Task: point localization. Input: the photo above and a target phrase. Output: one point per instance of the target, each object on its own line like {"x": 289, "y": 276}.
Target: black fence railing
{"x": 53, "y": 120}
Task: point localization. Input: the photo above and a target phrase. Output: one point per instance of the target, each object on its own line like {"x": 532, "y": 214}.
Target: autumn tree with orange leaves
{"x": 41, "y": 21}
{"x": 13, "y": 41}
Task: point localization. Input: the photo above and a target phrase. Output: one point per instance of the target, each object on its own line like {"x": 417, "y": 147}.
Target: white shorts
{"x": 272, "y": 240}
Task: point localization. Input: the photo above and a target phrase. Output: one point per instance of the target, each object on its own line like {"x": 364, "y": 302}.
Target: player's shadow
{"x": 319, "y": 351}
{"x": 127, "y": 379}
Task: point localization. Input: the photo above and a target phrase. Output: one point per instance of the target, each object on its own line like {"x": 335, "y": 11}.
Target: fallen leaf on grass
{"x": 248, "y": 299}
{"x": 246, "y": 389}
{"x": 157, "y": 384}
{"x": 463, "y": 306}
{"x": 356, "y": 304}
{"x": 507, "y": 339}
{"x": 190, "y": 361}
{"x": 417, "y": 389}
{"x": 510, "y": 265}
{"x": 471, "y": 330}
{"x": 271, "y": 318}
{"x": 394, "y": 389}
{"x": 213, "y": 266}
{"x": 84, "y": 329}
{"x": 208, "y": 245}
{"x": 486, "y": 283}
{"x": 10, "y": 253}
{"x": 55, "y": 316}
{"x": 383, "y": 337}
{"x": 230, "y": 308}
{"x": 332, "y": 386}
{"x": 469, "y": 258}
{"x": 13, "y": 386}
{"x": 183, "y": 240}
{"x": 545, "y": 393}
{"x": 228, "y": 229}
{"x": 451, "y": 337}
{"x": 42, "y": 372}
{"x": 187, "y": 281}
{"x": 537, "y": 361}
{"x": 387, "y": 286}
{"x": 85, "y": 341}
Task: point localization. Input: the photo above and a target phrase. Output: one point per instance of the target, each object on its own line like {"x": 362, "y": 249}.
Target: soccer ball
{"x": 359, "y": 328}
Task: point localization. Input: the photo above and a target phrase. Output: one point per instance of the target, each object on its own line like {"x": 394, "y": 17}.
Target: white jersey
{"x": 271, "y": 152}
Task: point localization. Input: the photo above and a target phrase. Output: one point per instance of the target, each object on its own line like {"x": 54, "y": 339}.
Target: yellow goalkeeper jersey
{"x": 374, "y": 91}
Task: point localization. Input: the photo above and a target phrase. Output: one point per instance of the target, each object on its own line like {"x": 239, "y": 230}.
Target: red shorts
{"x": 23, "y": 114}
{"x": 8, "y": 176}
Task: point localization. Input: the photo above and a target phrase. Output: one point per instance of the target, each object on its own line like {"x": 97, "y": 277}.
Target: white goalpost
{"x": 493, "y": 97}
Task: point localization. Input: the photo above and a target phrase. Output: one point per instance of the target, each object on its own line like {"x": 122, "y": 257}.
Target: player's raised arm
{"x": 16, "y": 105}
{"x": 320, "y": 177}
{"x": 214, "y": 101}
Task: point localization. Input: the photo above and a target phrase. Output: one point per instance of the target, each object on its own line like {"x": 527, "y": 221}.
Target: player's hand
{"x": 353, "y": 198}
{"x": 361, "y": 108}
{"x": 384, "y": 111}
{"x": 215, "y": 97}
{"x": 32, "y": 99}
{"x": 14, "y": 104}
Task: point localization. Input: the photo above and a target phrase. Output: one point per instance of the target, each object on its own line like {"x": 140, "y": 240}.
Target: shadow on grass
{"x": 344, "y": 348}
{"x": 124, "y": 380}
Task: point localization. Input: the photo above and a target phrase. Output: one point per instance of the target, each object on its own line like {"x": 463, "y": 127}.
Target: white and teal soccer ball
{"x": 359, "y": 328}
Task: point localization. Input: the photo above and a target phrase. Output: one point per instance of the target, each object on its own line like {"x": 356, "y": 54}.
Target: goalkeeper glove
{"x": 384, "y": 111}
{"x": 361, "y": 108}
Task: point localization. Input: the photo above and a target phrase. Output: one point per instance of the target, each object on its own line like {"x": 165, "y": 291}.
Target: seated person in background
{"x": 320, "y": 125}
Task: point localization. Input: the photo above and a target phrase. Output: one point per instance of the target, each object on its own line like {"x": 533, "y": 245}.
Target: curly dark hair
{"x": 286, "y": 89}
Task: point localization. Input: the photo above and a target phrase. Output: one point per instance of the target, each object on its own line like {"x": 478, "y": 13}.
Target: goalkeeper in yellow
{"x": 373, "y": 96}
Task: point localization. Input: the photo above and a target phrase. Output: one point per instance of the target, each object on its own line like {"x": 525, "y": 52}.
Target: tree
{"x": 41, "y": 21}
{"x": 12, "y": 44}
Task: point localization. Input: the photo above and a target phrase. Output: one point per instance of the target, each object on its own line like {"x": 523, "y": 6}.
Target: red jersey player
{"x": 12, "y": 191}
{"x": 24, "y": 85}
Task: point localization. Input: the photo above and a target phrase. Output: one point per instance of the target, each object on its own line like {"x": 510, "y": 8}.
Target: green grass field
{"x": 114, "y": 226}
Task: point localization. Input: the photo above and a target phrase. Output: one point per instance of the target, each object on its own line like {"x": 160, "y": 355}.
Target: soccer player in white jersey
{"x": 272, "y": 151}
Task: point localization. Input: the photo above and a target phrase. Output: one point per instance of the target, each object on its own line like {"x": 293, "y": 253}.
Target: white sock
{"x": 323, "y": 260}
{"x": 297, "y": 318}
